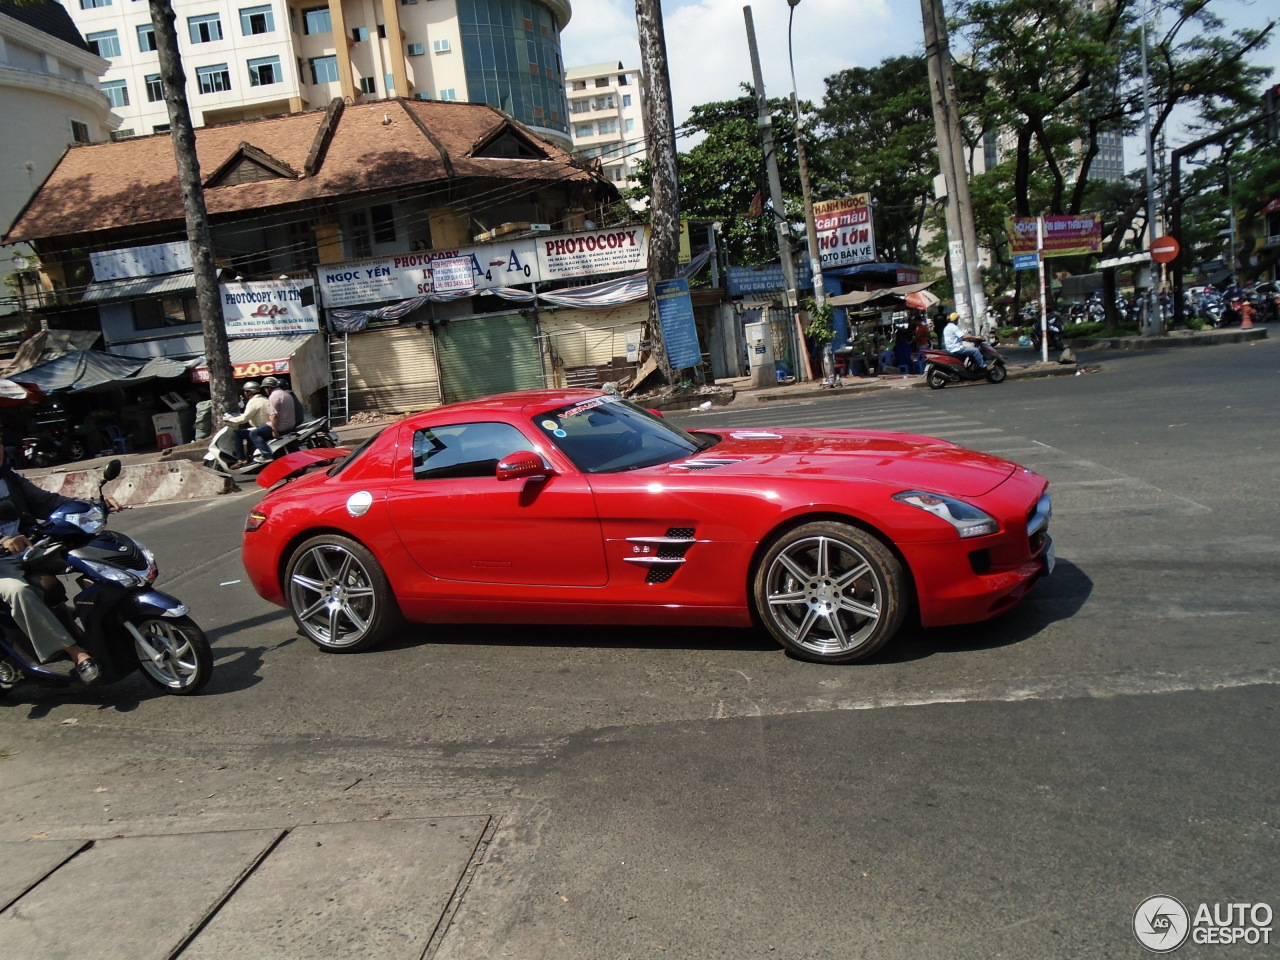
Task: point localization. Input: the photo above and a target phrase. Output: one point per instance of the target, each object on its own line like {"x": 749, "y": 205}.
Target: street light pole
{"x": 806, "y": 191}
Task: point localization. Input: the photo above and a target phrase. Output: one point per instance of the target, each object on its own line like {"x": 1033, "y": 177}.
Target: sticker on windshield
{"x": 559, "y": 433}
{"x": 549, "y": 424}
{"x": 579, "y": 409}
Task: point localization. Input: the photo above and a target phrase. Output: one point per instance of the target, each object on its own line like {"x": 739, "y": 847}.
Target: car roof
{"x": 523, "y": 402}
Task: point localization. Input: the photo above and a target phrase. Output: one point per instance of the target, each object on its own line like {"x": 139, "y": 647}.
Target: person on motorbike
{"x": 958, "y": 343}
{"x": 253, "y": 417}
{"x": 47, "y": 634}
{"x": 283, "y": 414}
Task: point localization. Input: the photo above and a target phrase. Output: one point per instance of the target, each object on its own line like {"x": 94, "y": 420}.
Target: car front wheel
{"x": 830, "y": 592}
{"x": 339, "y": 595}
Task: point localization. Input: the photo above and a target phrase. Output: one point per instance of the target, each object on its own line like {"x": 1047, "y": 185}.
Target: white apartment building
{"x": 246, "y": 59}
{"x": 606, "y": 119}
{"x": 49, "y": 99}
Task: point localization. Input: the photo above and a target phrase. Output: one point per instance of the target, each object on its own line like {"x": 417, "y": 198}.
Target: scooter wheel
{"x": 935, "y": 378}
{"x": 997, "y": 373}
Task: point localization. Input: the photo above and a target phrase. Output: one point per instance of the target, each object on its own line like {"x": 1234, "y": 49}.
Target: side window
{"x": 464, "y": 450}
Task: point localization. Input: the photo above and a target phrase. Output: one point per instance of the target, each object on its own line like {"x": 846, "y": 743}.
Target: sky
{"x": 709, "y": 58}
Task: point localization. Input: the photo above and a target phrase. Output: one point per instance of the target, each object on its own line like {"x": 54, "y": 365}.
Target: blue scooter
{"x": 118, "y": 617}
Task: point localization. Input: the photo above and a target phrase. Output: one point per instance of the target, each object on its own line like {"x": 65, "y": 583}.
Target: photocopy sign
{"x": 620, "y": 250}
{"x": 269, "y": 308}
{"x": 679, "y": 331}
{"x": 846, "y": 235}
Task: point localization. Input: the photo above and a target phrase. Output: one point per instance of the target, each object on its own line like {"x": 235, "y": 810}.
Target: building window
{"x": 584, "y": 130}
{"x": 626, "y": 99}
{"x": 368, "y": 85}
{"x": 449, "y": 94}
{"x": 359, "y": 34}
{"x": 117, "y": 92}
{"x": 622, "y": 79}
{"x": 606, "y": 103}
{"x": 580, "y": 106}
{"x": 383, "y": 216}
{"x": 607, "y": 126}
{"x": 122, "y": 134}
{"x": 155, "y": 89}
{"x": 579, "y": 84}
{"x": 264, "y": 71}
{"x": 94, "y": 4}
{"x": 416, "y": 50}
{"x": 316, "y": 20}
{"x": 602, "y": 81}
{"x": 358, "y": 235}
{"x": 324, "y": 69}
{"x": 255, "y": 20}
{"x": 630, "y": 124}
{"x": 440, "y": 46}
{"x": 389, "y": 82}
{"x": 160, "y": 128}
{"x": 215, "y": 79}
{"x": 79, "y": 132}
{"x": 405, "y": 3}
{"x": 205, "y": 29}
{"x": 382, "y": 31}
{"x": 104, "y": 44}
{"x": 146, "y": 38}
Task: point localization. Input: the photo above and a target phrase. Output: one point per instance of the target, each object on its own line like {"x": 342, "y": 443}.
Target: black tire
{"x": 173, "y": 652}
{"x": 338, "y": 595}
{"x": 935, "y": 378}
{"x": 830, "y": 592}
{"x": 997, "y": 373}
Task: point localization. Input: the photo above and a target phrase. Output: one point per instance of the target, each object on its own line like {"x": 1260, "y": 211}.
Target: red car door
{"x": 459, "y": 522}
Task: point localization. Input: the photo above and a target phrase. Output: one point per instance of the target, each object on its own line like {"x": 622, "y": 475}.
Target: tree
{"x": 877, "y": 136}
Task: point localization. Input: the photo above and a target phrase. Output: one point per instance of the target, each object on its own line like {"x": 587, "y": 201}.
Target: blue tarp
{"x": 90, "y": 369}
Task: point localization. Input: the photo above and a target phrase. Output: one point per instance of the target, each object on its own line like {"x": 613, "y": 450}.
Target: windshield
{"x": 608, "y": 434}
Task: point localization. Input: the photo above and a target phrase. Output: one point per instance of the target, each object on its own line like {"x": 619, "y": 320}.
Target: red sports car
{"x": 579, "y": 507}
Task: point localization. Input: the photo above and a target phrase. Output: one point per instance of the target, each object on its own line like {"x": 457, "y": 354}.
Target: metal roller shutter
{"x": 393, "y": 370}
{"x": 485, "y": 355}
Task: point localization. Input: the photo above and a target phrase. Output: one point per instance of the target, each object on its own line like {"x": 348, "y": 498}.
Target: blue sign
{"x": 1026, "y": 261}
{"x": 767, "y": 279}
{"x": 675, "y": 316}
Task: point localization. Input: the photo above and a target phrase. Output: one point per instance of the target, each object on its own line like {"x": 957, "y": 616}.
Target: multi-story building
{"x": 49, "y": 98}
{"x": 606, "y": 118}
{"x": 246, "y": 59}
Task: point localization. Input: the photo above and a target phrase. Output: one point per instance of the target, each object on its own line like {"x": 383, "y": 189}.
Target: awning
{"x": 140, "y": 287}
{"x": 93, "y": 370}
{"x": 859, "y": 298}
{"x": 257, "y": 356}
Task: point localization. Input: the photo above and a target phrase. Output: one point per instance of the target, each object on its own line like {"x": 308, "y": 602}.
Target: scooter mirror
{"x": 111, "y": 471}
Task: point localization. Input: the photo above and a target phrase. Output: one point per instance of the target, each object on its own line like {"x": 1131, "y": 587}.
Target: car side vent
{"x": 706, "y": 463}
{"x": 662, "y": 555}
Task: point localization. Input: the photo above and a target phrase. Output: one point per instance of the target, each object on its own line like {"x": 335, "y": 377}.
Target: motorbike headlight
{"x": 968, "y": 520}
{"x": 125, "y": 578}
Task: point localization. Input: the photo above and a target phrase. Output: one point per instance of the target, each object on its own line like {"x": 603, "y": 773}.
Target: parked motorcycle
{"x": 1212, "y": 309}
{"x": 221, "y": 453}
{"x": 118, "y": 616}
{"x": 942, "y": 368}
{"x": 46, "y": 449}
{"x": 1055, "y": 333}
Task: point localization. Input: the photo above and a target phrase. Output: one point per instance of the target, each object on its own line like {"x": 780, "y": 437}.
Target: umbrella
{"x": 921, "y": 300}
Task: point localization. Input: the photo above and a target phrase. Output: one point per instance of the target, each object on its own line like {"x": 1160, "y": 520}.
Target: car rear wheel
{"x": 830, "y": 592}
{"x": 339, "y": 595}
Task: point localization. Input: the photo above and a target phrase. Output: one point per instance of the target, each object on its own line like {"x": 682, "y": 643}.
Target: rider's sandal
{"x": 87, "y": 670}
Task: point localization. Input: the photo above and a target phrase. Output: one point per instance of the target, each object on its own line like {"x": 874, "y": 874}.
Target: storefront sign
{"x": 268, "y": 308}
{"x": 846, "y": 235}
{"x": 620, "y": 250}
{"x": 149, "y": 261}
{"x": 451, "y": 275}
{"x": 242, "y": 371}
{"x": 679, "y": 331}
{"x": 1064, "y": 236}
{"x": 497, "y": 264}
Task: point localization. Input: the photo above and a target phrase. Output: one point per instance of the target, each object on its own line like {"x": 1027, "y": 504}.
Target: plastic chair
{"x": 121, "y": 441}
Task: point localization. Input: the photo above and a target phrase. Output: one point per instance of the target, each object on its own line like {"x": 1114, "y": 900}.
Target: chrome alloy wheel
{"x": 173, "y": 652}
{"x": 338, "y": 594}
{"x": 830, "y": 592}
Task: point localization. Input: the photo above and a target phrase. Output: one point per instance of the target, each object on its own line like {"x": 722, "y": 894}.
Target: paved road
{"x": 1012, "y": 789}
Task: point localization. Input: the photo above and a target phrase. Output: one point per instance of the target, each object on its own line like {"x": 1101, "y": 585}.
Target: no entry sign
{"x": 1164, "y": 249}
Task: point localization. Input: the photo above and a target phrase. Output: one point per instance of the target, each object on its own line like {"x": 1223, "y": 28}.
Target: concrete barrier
{"x": 140, "y": 483}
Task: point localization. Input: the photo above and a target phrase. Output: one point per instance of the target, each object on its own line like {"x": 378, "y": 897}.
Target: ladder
{"x": 338, "y": 382}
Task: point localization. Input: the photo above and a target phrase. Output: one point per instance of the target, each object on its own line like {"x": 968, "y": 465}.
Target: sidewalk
{"x": 178, "y": 474}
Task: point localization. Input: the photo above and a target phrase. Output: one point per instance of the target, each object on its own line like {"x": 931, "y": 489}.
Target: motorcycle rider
{"x": 47, "y": 634}
{"x": 283, "y": 413}
{"x": 958, "y": 343}
{"x": 253, "y": 418}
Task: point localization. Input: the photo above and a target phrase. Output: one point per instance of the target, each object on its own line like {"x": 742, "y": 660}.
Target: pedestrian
{"x": 253, "y": 418}
{"x": 902, "y": 340}
{"x": 923, "y": 333}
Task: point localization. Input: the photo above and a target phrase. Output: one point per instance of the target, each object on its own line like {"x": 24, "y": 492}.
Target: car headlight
{"x": 968, "y": 520}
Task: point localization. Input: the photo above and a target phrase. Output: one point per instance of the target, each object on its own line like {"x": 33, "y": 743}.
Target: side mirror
{"x": 656, "y": 412}
{"x": 111, "y": 471}
{"x": 522, "y": 464}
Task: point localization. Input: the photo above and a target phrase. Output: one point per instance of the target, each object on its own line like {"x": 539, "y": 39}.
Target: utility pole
{"x": 962, "y": 237}
{"x": 221, "y": 386}
{"x": 765, "y": 122}
{"x": 664, "y": 209}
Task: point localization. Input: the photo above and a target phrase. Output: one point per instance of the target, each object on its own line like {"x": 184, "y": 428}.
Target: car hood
{"x": 901, "y": 459}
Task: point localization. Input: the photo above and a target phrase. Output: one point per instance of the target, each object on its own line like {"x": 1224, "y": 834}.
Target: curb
{"x": 141, "y": 483}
